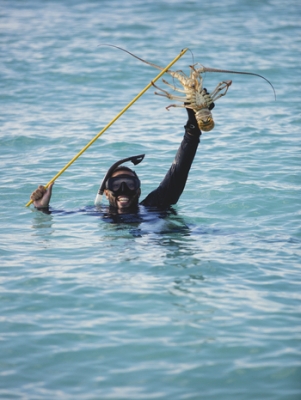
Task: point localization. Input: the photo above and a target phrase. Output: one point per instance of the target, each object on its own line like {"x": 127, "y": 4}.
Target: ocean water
{"x": 202, "y": 304}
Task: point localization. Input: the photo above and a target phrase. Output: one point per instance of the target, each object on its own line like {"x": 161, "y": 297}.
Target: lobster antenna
{"x": 133, "y": 55}
{"x": 240, "y": 73}
{"x": 205, "y": 69}
{"x": 192, "y": 55}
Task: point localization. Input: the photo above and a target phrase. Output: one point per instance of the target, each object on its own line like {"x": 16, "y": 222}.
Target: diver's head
{"x": 122, "y": 188}
{"x": 121, "y": 185}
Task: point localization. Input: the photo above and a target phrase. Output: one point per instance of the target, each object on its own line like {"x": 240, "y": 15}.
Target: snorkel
{"x": 134, "y": 159}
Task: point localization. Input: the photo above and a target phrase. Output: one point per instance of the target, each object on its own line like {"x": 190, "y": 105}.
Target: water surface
{"x": 204, "y": 303}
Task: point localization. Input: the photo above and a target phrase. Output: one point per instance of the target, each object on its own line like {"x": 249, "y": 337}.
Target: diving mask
{"x": 135, "y": 160}
{"x": 123, "y": 184}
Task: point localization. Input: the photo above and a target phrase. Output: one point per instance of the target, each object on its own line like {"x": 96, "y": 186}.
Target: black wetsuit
{"x": 169, "y": 190}
{"x": 172, "y": 186}
{"x": 158, "y": 203}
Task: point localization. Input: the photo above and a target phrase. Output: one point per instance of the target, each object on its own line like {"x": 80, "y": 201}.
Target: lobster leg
{"x": 171, "y": 97}
{"x": 168, "y": 95}
{"x": 220, "y": 90}
{"x": 177, "y": 105}
{"x": 173, "y": 87}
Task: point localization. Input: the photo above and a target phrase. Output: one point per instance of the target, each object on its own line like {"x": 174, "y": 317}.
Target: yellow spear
{"x": 113, "y": 120}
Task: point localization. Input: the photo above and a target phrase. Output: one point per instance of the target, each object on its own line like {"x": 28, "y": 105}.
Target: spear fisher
{"x": 113, "y": 120}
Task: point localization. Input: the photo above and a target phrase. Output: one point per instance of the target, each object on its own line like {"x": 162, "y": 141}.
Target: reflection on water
{"x": 42, "y": 224}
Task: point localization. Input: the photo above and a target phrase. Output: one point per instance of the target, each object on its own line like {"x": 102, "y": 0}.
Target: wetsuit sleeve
{"x": 173, "y": 184}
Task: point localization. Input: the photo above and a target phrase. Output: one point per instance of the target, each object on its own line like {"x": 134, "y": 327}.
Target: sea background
{"x": 204, "y": 304}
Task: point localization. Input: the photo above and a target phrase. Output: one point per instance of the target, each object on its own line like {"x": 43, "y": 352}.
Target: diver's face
{"x": 124, "y": 198}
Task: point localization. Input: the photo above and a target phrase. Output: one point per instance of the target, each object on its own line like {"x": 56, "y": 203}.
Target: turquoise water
{"x": 204, "y": 304}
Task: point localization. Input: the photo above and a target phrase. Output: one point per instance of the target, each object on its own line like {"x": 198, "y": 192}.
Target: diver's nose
{"x": 123, "y": 187}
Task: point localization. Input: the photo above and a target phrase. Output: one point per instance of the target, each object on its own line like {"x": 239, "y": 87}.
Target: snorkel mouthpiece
{"x": 135, "y": 160}
{"x": 98, "y": 199}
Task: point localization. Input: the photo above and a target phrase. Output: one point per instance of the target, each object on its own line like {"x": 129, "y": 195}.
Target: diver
{"x": 121, "y": 185}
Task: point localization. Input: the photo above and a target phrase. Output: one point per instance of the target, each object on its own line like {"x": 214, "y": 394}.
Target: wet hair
{"x": 123, "y": 168}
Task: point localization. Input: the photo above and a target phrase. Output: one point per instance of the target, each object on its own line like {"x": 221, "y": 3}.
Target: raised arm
{"x": 173, "y": 184}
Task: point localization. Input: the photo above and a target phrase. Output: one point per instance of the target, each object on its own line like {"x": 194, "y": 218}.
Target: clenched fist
{"x": 41, "y": 196}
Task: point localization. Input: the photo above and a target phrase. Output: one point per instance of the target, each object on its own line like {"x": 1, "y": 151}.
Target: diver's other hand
{"x": 41, "y": 196}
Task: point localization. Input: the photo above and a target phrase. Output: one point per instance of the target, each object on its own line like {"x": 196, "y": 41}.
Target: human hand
{"x": 41, "y": 196}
